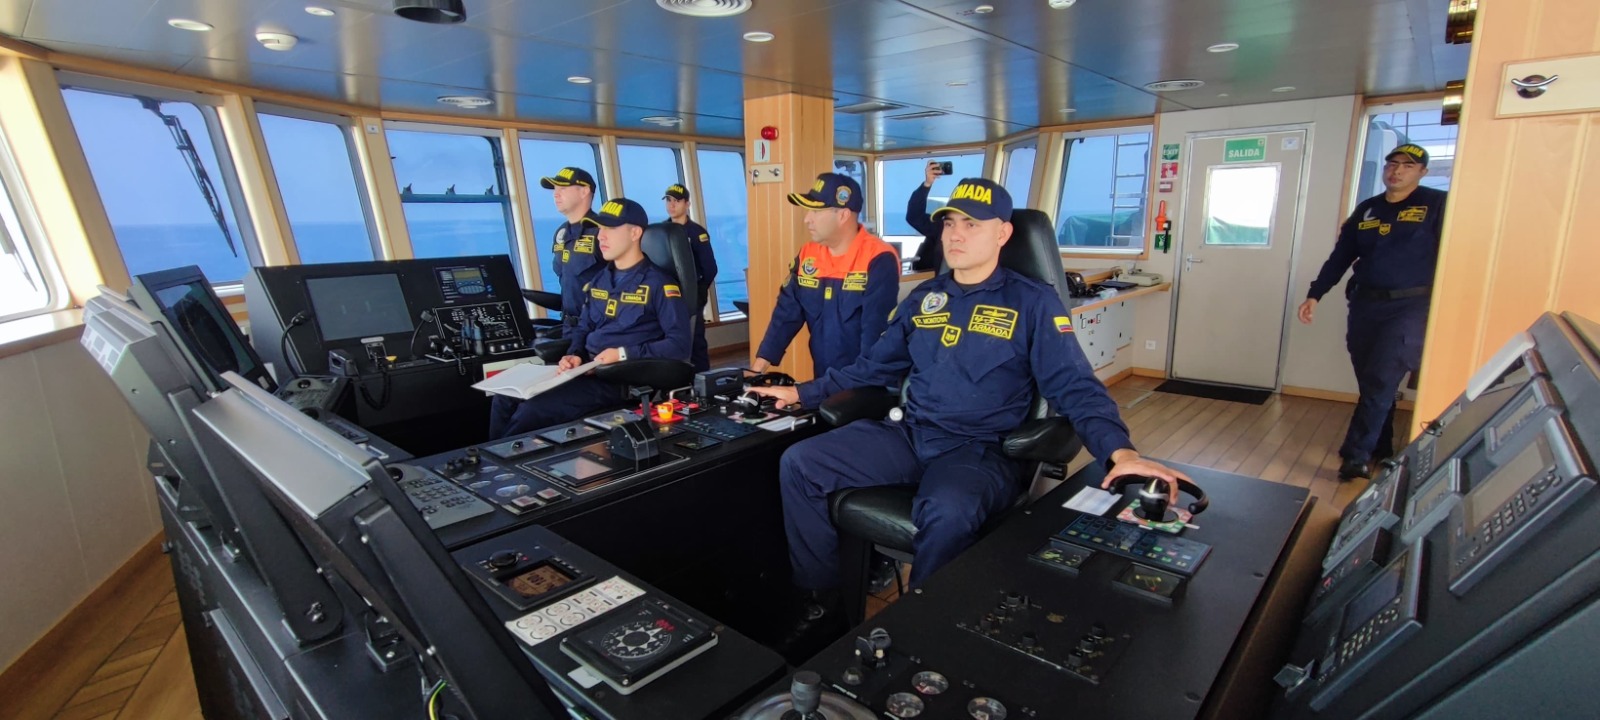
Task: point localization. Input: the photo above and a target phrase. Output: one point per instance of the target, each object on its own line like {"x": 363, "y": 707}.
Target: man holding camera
{"x": 918, "y": 218}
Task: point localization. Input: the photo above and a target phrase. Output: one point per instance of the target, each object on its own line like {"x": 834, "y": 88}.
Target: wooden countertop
{"x": 1086, "y": 304}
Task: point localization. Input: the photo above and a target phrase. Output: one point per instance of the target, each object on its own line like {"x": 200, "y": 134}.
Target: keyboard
{"x": 719, "y": 427}
{"x": 441, "y": 502}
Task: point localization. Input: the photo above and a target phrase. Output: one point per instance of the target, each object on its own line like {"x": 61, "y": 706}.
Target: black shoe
{"x": 882, "y": 575}
{"x": 819, "y": 620}
{"x": 1352, "y": 469}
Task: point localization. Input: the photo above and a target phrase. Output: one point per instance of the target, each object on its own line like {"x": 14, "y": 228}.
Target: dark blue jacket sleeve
{"x": 884, "y": 364}
{"x": 555, "y": 261}
{"x": 581, "y": 263}
{"x": 1345, "y": 252}
{"x": 883, "y": 286}
{"x": 1067, "y": 381}
{"x": 673, "y": 314}
{"x": 579, "y": 334}
{"x": 705, "y": 261}
{"x": 786, "y": 320}
{"x": 917, "y": 210}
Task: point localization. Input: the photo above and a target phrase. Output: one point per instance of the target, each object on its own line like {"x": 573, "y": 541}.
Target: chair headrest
{"x": 657, "y": 244}
{"x": 1032, "y": 251}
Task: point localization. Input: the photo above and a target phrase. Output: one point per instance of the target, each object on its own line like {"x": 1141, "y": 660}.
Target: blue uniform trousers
{"x": 956, "y": 492}
{"x": 1385, "y": 342}
{"x": 576, "y": 399}
{"x": 699, "y": 352}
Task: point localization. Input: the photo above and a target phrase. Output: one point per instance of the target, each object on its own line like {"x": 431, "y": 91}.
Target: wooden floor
{"x": 1286, "y": 439}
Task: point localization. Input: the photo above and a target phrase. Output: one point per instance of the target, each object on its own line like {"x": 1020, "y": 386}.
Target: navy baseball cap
{"x": 676, "y": 192}
{"x": 831, "y": 190}
{"x": 568, "y": 176}
{"x": 1415, "y": 151}
{"x": 620, "y": 211}
{"x": 979, "y": 199}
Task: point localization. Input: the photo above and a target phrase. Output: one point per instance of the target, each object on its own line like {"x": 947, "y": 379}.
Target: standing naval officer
{"x": 573, "y": 251}
{"x": 973, "y": 345}
{"x": 1393, "y": 241}
{"x": 632, "y": 309}
{"x": 705, "y": 266}
{"x": 929, "y": 255}
{"x": 841, "y": 286}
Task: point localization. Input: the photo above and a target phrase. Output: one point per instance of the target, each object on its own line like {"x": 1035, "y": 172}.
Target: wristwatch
{"x": 622, "y": 353}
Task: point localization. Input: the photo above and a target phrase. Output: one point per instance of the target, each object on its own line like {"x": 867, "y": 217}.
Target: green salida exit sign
{"x": 1248, "y": 149}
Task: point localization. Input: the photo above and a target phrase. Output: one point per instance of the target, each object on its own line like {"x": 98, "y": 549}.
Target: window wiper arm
{"x": 197, "y": 168}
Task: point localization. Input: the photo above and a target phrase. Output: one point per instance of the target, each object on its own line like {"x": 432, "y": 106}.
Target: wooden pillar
{"x": 1524, "y": 201}
{"x": 804, "y": 149}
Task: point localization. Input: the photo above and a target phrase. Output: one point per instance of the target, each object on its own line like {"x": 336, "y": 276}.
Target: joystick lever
{"x": 1154, "y": 502}
{"x": 805, "y": 692}
{"x": 870, "y": 650}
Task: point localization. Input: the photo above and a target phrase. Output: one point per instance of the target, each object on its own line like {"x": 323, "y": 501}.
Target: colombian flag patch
{"x": 671, "y": 291}
{"x": 1063, "y": 324}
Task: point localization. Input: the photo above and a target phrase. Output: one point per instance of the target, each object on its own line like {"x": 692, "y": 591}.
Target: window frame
{"x": 1381, "y": 107}
{"x": 513, "y": 243}
{"x": 347, "y": 126}
{"x": 699, "y": 207}
{"x": 1059, "y": 145}
{"x": 32, "y": 239}
{"x": 877, "y": 168}
{"x": 209, "y": 106}
{"x": 595, "y": 142}
{"x": 868, "y": 172}
{"x": 1004, "y": 167}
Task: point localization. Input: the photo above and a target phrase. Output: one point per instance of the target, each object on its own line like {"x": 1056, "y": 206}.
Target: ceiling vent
{"x": 437, "y": 12}
{"x": 1173, "y": 85}
{"x": 870, "y": 106}
{"x": 918, "y": 115}
{"x": 465, "y": 101}
{"x": 705, "y": 8}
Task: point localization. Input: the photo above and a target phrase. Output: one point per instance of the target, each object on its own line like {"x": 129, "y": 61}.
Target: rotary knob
{"x": 852, "y": 675}
{"x": 516, "y": 445}
{"x": 1029, "y": 641}
{"x": 472, "y": 456}
{"x": 1013, "y": 600}
{"x": 1097, "y": 631}
{"x": 503, "y": 559}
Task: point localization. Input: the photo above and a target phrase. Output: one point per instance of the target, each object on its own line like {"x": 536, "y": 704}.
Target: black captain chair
{"x": 667, "y": 245}
{"x": 549, "y": 335}
{"x": 880, "y": 517}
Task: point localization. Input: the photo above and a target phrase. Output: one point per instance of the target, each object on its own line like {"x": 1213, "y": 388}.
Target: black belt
{"x": 1358, "y": 292}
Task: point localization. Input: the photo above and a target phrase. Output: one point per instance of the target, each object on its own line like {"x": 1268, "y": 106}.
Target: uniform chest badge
{"x": 951, "y": 336}
{"x": 1415, "y": 213}
{"x": 808, "y": 267}
{"x": 561, "y": 237}
{"x": 934, "y": 302}
{"x": 1383, "y": 229}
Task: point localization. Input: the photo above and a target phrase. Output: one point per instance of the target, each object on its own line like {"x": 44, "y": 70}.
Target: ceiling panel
{"x": 1023, "y": 64}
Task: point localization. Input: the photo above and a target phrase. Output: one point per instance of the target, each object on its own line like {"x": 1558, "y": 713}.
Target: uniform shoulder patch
{"x": 671, "y": 291}
{"x": 705, "y": 237}
{"x": 1063, "y": 324}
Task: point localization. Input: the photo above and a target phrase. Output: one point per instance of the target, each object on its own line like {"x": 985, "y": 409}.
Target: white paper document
{"x": 527, "y": 380}
{"x": 1092, "y": 501}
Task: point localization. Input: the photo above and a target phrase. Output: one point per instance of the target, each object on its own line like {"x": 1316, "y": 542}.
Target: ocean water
{"x": 147, "y": 248}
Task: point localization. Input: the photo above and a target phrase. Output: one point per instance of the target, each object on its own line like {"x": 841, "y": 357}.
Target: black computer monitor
{"x": 358, "y": 306}
{"x": 206, "y": 332}
{"x": 360, "y": 527}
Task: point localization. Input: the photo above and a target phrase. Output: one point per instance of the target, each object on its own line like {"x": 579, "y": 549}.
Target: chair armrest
{"x": 546, "y": 300}
{"x": 544, "y": 322}
{"x": 658, "y": 373}
{"x": 1051, "y": 439}
{"x": 848, "y": 406}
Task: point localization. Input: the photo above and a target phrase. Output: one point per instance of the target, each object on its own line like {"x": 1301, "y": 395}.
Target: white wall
{"x": 1316, "y": 357}
{"x": 75, "y": 501}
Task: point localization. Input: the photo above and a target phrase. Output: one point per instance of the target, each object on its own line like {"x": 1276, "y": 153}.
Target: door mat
{"x": 1215, "y": 392}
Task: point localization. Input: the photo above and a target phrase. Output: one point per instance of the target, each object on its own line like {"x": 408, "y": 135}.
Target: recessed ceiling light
{"x": 1223, "y": 47}
{"x": 1058, "y": 4}
{"x": 318, "y": 11}
{"x": 705, "y": 8}
{"x": 956, "y": 83}
{"x": 662, "y": 120}
{"x": 1173, "y": 85}
{"x": 579, "y": 80}
{"x": 1222, "y": 94}
{"x": 190, "y": 25}
{"x": 1069, "y": 110}
{"x": 758, "y": 36}
{"x": 1284, "y": 89}
{"x": 281, "y": 42}
{"x": 465, "y": 101}
{"x": 983, "y": 9}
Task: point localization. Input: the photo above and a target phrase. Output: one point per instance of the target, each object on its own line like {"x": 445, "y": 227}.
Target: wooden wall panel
{"x": 777, "y": 229}
{"x": 1523, "y": 204}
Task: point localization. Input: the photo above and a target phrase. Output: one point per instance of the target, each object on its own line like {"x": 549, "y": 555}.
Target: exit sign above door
{"x": 1246, "y": 149}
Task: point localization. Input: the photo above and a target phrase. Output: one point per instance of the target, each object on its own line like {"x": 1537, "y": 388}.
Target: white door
{"x": 1235, "y": 247}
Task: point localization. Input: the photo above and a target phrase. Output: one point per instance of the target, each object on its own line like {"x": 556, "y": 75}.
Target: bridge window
{"x": 1104, "y": 183}
{"x": 314, "y": 161}
{"x": 543, "y": 156}
{"x": 856, "y": 168}
{"x": 1389, "y": 126}
{"x": 1019, "y": 171}
{"x": 899, "y": 178}
{"x": 647, "y": 170}
{"x": 453, "y": 189}
{"x": 24, "y": 287}
{"x": 723, "y": 195}
{"x": 164, "y": 177}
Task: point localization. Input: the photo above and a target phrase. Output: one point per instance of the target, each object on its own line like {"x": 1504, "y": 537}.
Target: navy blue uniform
{"x": 575, "y": 250}
{"x": 931, "y": 255}
{"x": 1394, "y": 247}
{"x": 640, "y": 310}
{"x": 973, "y": 359}
{"x": 705, "y": 266}
{"x": 844, "y": 301}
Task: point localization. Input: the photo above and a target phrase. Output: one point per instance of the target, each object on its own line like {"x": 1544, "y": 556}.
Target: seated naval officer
{"x": 973, "y": 343}
{"x": 631, "y": 309}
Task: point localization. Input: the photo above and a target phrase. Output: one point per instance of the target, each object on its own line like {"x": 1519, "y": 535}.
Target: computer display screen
{"x": 359, "y": 306}
{"x": 202, "y": 323}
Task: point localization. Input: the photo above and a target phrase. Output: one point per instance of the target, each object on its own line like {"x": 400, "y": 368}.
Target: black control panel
{"x": 480, "y": 330}
{"x": 1343, "y": 580}
{"x": 1081, "y": 649}
{"x": 1432, "y": 502}
{"x": 529, "y": 575}
{"x": 1539, "y": 481}
{"x": 1385, "y": 613}
{"x": 1155, "y": 548}
{"x": 315, "y": 393}
{"x": 1379, "y": 506}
